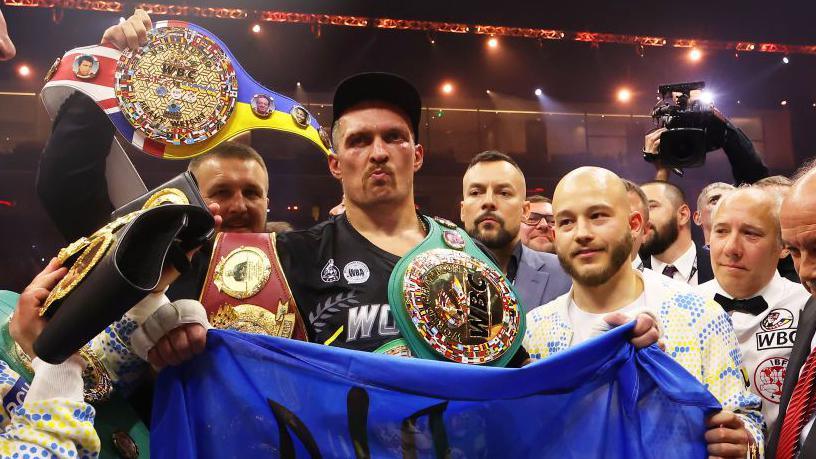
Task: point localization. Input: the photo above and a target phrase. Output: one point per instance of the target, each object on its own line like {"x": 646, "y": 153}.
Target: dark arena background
{"x": 554, "y": 84}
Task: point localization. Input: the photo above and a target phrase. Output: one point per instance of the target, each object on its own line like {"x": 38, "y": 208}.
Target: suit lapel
{"x": 531, "y": 283}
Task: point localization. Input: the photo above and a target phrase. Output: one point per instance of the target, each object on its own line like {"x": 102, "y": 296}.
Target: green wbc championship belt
{"x": 452, "y": 303}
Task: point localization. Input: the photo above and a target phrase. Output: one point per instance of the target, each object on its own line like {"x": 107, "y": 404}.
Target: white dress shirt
{"x": 766, "y": 339}
{"x": 637, "y": 263}
{"x": 686, "y": 265}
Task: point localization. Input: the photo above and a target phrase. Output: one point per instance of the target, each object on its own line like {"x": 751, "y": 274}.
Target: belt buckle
{"x": 460, "y": 306}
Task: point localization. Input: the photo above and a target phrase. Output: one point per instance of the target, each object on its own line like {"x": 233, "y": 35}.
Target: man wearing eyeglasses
{"x": 494, "y": 205}
{"x": 536, "y": 230}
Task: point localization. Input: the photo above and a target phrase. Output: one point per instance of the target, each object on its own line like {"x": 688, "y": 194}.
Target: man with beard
{"x": 638, "y": 202}
{"x": 594, "y": 229}
{"x": 493, "y": 208}
{"x": 536, "y": 229}
{"x": 669, "y": 249}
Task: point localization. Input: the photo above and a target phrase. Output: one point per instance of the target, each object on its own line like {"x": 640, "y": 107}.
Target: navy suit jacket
{"x": 539, "y": 278}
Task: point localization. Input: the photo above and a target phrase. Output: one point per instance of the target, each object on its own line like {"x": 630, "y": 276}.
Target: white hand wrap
{"x": 166, "y": 318}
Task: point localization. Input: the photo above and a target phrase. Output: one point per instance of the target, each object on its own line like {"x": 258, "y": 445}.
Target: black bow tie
{"x": 754, "y": 306}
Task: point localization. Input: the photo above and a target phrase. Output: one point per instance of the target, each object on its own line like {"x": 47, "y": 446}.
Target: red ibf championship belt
{"x": 246, "y": 289}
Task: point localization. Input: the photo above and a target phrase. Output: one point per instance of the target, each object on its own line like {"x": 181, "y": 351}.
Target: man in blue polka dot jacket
{"x": 50, "y": 418}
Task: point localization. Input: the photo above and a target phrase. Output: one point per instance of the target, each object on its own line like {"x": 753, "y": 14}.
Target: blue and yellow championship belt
{"x": 452, "y": 303}
{"x": 179, "y": 95}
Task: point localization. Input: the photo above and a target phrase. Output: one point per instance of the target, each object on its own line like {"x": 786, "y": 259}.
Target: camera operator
{"x": 688, "y": 127}
{"x": 746, "y": 164}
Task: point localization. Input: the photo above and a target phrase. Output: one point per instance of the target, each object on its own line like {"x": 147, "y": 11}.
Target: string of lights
{"x": 317, "y": 20}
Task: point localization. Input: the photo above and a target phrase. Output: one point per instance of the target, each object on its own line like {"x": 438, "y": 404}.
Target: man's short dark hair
{"x": 85, "y": 58}
{"x": 674, "y": 192}
{"x": 632, "y": 187}
{"x": 536, "y": 198}
{"x": 491, "y": 156}
{"x": 233, "y": 150}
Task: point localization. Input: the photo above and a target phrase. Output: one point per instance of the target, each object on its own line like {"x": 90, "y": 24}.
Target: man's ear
{"x": 419, "y": 157}
{"x": 462, "y": 212}
{"x": 525, "y": 210}
{"x": 334, "y": 166}
{"x": 683, "y": 214}
{"x": 698, "y": 218}
{"x": 635, "y": 222}
{"x": 784, "y": 253}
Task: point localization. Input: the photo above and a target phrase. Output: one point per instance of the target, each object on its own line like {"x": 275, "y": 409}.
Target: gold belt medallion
{"x": 166, "y": 196}
{"x": 243, "y": 272}
{"x": 180, "y": 88}
{"x": 90, "y": 256}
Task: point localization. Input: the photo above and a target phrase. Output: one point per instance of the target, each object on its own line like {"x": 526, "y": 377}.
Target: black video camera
{"x": 693, "y": 127}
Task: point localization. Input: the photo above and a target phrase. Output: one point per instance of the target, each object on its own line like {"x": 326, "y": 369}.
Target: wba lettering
{"x": 779, "y": 339}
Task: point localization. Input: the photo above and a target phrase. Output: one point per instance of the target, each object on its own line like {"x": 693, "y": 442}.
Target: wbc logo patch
{"x": 779, "y": 331}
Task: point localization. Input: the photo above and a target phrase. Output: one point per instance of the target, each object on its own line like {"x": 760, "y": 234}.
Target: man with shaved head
{"x": 764, "y": 307}
{"x": 594, "y": 231}
{"x": 669, "y": 249}
{"x": 793, "y": 434}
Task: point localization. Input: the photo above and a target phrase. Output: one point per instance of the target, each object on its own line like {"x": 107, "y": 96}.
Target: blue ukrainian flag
{"x": 256, "y": 396}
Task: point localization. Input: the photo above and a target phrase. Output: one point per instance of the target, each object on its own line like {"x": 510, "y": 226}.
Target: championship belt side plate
{"x": 179, "y": 95}
{"x": 82, "y": 255}
{"x": 111, "y": 270}
{"x": 452, "y": 303}
{"x": 246, "y": 289}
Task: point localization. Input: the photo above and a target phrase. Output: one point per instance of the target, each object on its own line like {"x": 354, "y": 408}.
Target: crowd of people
{"x": 735, "y": 310}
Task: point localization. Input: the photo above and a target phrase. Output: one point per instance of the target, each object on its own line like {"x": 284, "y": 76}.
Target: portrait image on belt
{"x": 300, "y": 116}
{"x": 85, "y": 66}
{"x": 262, "y": 105}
